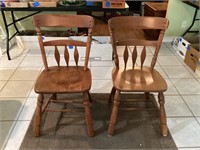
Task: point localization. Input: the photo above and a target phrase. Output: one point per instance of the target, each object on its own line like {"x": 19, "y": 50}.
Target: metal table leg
{"x": 7, "y": 35}
{"x": 193, "y": 21}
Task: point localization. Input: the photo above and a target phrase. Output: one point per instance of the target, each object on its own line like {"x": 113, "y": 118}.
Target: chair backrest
{"x": 130, "y": 32}
{"x": 67, "y": 21}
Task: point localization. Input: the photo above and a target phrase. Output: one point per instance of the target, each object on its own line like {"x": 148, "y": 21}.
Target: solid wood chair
{"x": 68, "y": 78}
{"x": 129, "y": 32}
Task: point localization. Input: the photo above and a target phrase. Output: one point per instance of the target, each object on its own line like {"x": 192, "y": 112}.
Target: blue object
{"x": 107, "y": 4}
{"x": 36, "y": 4}
{"x": 90, "y": 3}
{"x": 70, "y": 47}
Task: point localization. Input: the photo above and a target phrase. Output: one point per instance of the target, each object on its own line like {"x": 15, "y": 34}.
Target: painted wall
{"x": 180, "y": 17}
{"x": 25, "y": 24}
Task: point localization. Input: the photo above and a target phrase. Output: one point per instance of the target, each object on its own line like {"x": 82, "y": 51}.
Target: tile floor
{"x": 18, "y": 100}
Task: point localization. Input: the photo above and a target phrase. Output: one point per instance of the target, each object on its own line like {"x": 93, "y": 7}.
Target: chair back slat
{"x": 143, "y": 56}
{"x": 66, "y": 55}
{"x": 57, "y": 56}
{"x": 130, "y": 42}
{"x": 68, "y": 21}
{"x": 126, "y": 55}
{"x": 130, "y": 31}
{"x": 64, "y": 43}
{"x": 76, "y": 55}
{"x": 134, "y": 56}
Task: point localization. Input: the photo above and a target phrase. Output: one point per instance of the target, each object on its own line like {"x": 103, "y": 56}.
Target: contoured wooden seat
{"x": 129, "y": 32}
{"x": 63, "y": 79}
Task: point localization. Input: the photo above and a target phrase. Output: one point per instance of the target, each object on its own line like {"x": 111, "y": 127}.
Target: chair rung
{"x": 135, "y": 108}
{"x": 66, "y": 101}
{"x": 134, "y": 100}
{"x": 63, "y": 110}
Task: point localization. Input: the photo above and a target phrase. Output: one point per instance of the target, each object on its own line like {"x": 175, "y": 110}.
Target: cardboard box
{"x": 118, "y": 4}
{"x": 181, "y": 46}
{"x": 16, "y": 4}
{"x": 192, "y": 59}
{"x": 43, "y": 4}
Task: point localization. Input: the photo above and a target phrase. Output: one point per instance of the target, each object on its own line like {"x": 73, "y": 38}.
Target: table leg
{"x": 193, "y": 21}
{"x": 7, "y": 34}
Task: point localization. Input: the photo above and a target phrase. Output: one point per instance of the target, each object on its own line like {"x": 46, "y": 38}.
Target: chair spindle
{"x": 76, "y": 55}
{"x": 143, "y": 56}
{"x": 57, "y": 55}
{"x": 134, "y": 55}
{"x": 66, "y": 55}
{"x": 125, "y": 56}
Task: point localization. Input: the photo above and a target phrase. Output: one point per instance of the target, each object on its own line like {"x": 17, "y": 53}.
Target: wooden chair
{"x": 129, "y": 31}
{"x": 68, "y": 78}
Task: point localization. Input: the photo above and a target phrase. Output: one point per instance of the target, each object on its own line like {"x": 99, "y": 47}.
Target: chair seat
{"x": 63, "y": 79}
{"x": 138, "y": 80}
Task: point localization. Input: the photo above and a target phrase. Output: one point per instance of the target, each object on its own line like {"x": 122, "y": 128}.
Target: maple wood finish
{"x": 128, "y": 31}
{"x": 63, "y": 79}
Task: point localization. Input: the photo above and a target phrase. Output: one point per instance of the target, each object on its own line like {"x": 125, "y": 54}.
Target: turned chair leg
{"x": 147, "y": 96}
{"x": 112, "y": 93}
{"x": 113, "y": 117}
{"x": 54, "y": 96}
{"x": 163, "y": 121}
{"x": 90, "y": 98}
{"x": 88, "y": 116}
{"x": 38, "y": 116}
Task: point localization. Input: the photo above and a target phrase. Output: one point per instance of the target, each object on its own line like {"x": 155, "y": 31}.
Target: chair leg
{"x": 90, "y": 98}
{"x": 112, "y": 93}
{"x": 88, "y": 116}
{"x": 38, "y": 116}
{"x": 113, "y": 117}
{"x": 54, "y": 96}
{"x": 147, "y": 96}
{"x": 163, "y": 121}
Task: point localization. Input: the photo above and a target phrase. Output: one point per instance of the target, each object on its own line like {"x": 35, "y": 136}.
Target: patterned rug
{"x": 134, "y": 129}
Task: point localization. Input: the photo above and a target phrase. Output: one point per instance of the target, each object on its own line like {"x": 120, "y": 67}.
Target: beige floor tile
{"x": 31, "y": 61}
{"x": 147, "y": 61}
{"x": 164, "y": 51}
{"x": 108, "y": 63}
{"x": 5, "y": 63}
{"x": 185, "y": 131}
{"x": 198, "y": 119}
{"x": 171, "y": 90}
{"x": 5, "y": 73}
{"x": 5, "y": 127}
{"x": 193, "y": 102}
{"x": 187, "y": 86}
{"x": 101, "y": 72}
{"x": 10, "y": 108}
{"x": 168, "y": 60}
{"x": 17, "y": 135}
{"x": 179, "y": 72}
{"x": 33, "y": 94}
{"x": 101, "y": 86}
{"x": 2, "y": 83}
{"x": 28, "y": 109}
{"x": 175, "y": 106}
{"x": 161, "y": 71}
{"x": 17, "y": 89}
{"x": 25, "y": 74}
{"x": 192, "y": 72}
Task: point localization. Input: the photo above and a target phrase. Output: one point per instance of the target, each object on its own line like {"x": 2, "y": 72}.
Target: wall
{"x": 24, "y": 24}
{"x": 180, "y": 17}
